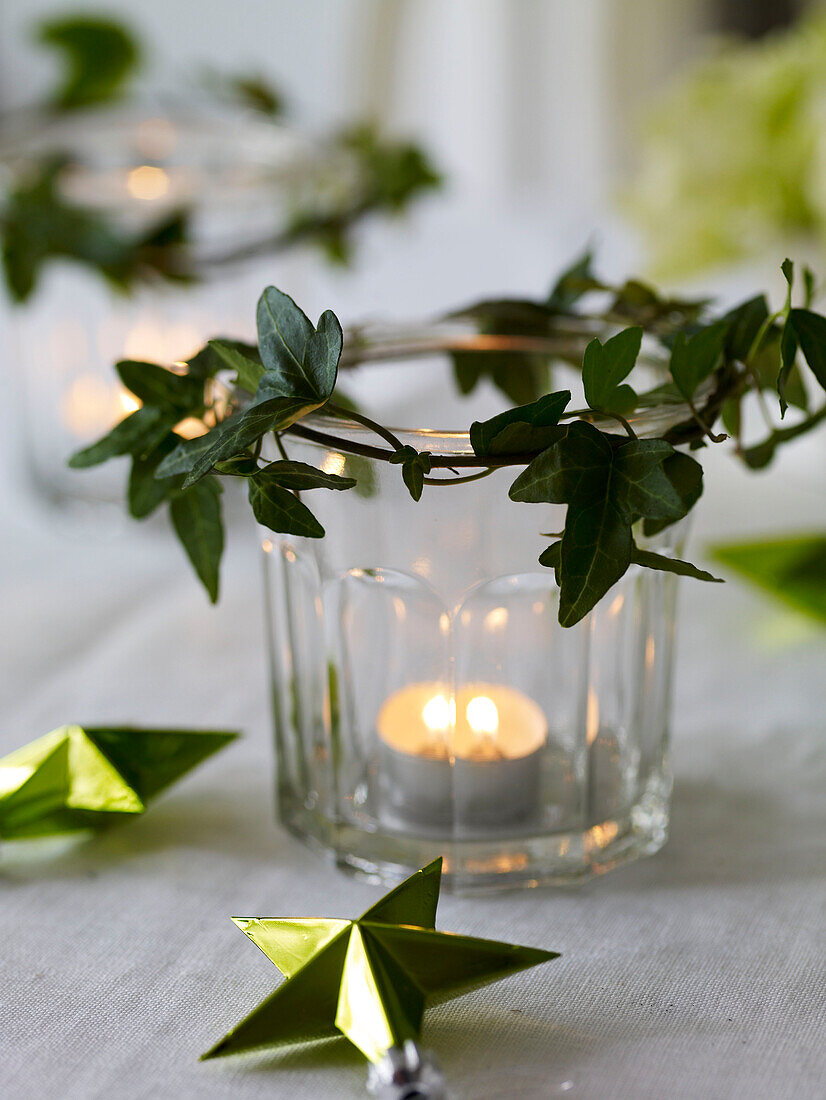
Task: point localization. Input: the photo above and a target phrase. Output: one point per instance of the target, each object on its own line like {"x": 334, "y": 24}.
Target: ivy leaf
{"x": 671, "y": 565}
{"x": 525, "y": 428}
{"x": 187, "y": 452}
{"x": 99, "y": 56}
{"x": 694, "y": 358}
{"x": 280, "y": 510}
{"x": 145, "y": 491}
{"x": 238, "y": 432}
{"x": 810, "y": 330}
{"x": 522, "y": 376}
{"x": 788, "y": 354}
{"x": 686, "y": 477}
{"x": 38, "y": 224}
{"x": 196, "y": 517}
{"x": 137, "y": 434}
{"x": 743, "y": 324}
{"x": 301, "y": 361}
{"x": 392, "y": 172}
{"x": 573, "y": 470}
{"x": 155, "y": 385}
{"x": 607, "y": 483}
{"x": 300, "y": 475}
{"x": 640, "y": 304}
{"x": 595, "y": 553}
{"x": 575, "y": 281}
{"x": 415, "y": 465}
{"x": 248, "y": 370}
{"x": 254, "y": 92}
{"x": 552, "y": 558}
{"x": 641, "y": 483}
{"x": 604, "y": 366}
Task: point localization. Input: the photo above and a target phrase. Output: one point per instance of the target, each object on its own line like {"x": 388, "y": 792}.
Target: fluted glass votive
{"x": 426, "y": 701}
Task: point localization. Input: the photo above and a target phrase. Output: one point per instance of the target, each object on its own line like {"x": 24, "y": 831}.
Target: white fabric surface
{"x": 698, "y": 973}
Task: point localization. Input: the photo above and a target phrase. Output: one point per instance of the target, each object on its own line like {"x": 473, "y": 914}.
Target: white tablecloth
{"x": 698, "y": 973}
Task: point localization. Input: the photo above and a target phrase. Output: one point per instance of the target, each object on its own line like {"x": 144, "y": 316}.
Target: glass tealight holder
{"x": 426, "y": 701}
{"x": 238, "y": 176}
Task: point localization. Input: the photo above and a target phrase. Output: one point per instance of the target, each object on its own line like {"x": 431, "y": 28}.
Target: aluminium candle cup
{"x": 457, "y": 776}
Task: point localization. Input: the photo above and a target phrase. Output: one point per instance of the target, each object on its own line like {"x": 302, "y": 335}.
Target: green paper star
{"x": 75, "y": 778}
{"x": 369, "y": 979}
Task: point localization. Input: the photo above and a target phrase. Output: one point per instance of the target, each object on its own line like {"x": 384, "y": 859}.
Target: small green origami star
{"x": 75, "y": 778}
{"x": 368, "y": 979}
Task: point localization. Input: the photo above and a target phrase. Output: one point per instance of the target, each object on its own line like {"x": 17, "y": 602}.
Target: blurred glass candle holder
{"x": 235, "y": 173}
{"x": 426, "y": 701}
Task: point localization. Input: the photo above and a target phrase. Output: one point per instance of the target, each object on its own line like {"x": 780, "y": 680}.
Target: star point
{"x": 77, "y": 778}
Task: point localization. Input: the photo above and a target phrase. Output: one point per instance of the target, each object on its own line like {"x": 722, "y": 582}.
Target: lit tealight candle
{"x": 460, "y": 761}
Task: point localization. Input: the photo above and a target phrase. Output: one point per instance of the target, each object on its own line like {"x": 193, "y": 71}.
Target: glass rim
{"x": 407, "y": 342}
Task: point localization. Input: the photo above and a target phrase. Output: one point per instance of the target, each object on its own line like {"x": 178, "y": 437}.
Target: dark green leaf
{"x": 640, "y": 482}
{"x": 240, "y": 430}
{"x": 810, "y": 329}
{"x": 300, "y": 475}
{"x": 280, "y": 510}
{"x": 520, "y": 376}
{"x": 241, "y": 466}
{"x": 596, "y": 552}
{"x": 186, "y": 454}
{"x": 38, "y": 224}
{"x": 671, "y": 565}
{"x": 415, "y": 465}
{"x": 604, "y": 366}
{"x": 196, "y": 517}
{"x": 552, "y": 558}
{"x": 301, "y": 361}
{"x": 640, "y": 304}
{"x": 577, "y": 280}
{"x": 730, "y": 414}
{"x": 146, "y": 491}
{"x": 686, "y": 476}
{"x": 155, "y": 385}
{"x": 517, "y": 431}
{"x": 573, "y": 470}
{"x": 787, "y": 267}
{"x": 99, "y": 56}
{"x": 788, "y": 354}
{"x": 248, "y": 371}
{"x": 694, "y": 358}
{"x": 138, "y": 434}
{"x": 254, "y": 92}
{"x": 392, "y": 172}
{"x": 744, "y": 323}
{"x": 363, "y": 471}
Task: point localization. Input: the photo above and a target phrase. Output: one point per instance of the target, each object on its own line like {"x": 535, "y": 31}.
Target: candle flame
{"x": 439, "y": 714}
{"x": 482, "y": 715}
{"x": 128, "y": 402}
{"x": 147, "y": 182}
{"x": 334, "y": 463}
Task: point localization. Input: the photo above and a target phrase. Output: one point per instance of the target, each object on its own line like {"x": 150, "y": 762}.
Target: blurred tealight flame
{"x": 128, "y": 402}
{"x": 147, "y": 183}
{"x": 439, "y": 714}
{"x": 333, "y": 463}
{"x": 91, "y": 405}
{"x": 482, "y": 715}
{"x": 191, "y": 428}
